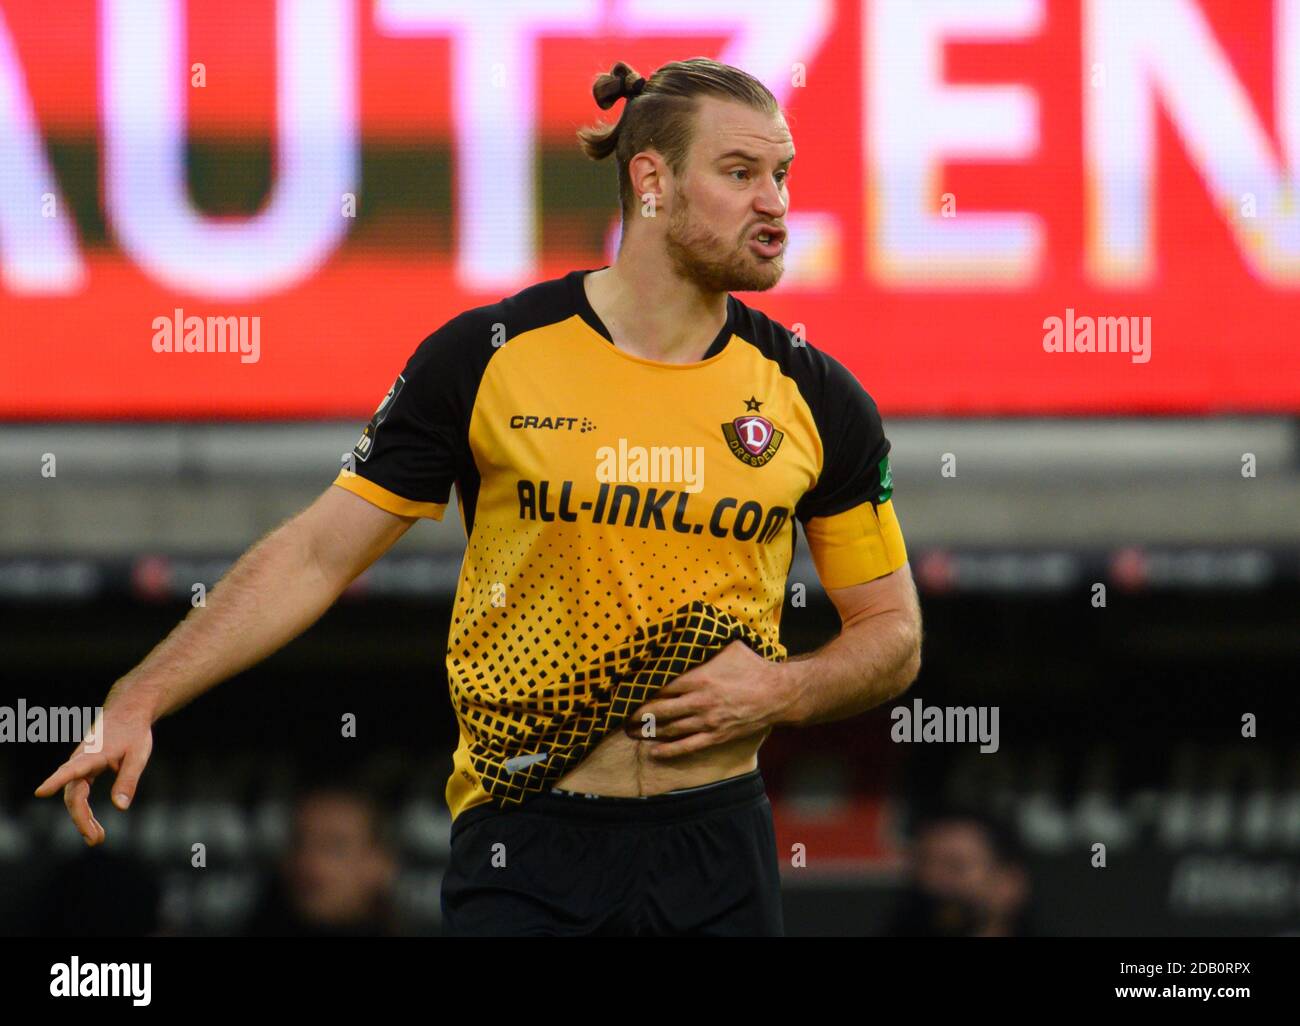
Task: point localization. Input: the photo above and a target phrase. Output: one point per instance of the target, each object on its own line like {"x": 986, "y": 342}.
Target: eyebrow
{"x": 752, "y": 158}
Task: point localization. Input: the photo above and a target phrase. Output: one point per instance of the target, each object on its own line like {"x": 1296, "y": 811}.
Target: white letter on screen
{"x": 1166, "y": 48}
{"x": 38, "y": 254}
{"x": 915, "y": 123}
{"x": 144, "y": 82}
{"x": 493, "y": 90}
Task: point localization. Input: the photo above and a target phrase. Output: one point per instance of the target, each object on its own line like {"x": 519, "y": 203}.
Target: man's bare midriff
{"x": 622, "y": 767}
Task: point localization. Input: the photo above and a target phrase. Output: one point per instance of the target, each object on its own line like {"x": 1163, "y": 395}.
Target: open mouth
{"x": 768, "y": 242}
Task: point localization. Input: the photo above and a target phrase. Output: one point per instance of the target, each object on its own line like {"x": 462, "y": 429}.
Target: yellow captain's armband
{"x": 856, "y": 546}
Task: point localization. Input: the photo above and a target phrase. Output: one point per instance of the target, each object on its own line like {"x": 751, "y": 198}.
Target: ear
{"x": 648, "y": 175}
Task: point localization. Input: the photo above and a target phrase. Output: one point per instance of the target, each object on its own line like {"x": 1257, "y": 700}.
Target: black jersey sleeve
{"x": 848, "y": 515}
{"x": 415, "y": 446}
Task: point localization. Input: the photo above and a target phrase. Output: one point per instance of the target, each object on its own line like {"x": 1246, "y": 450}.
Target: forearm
{"x": 871, "y": 661}
{"x": 274, "y": 592}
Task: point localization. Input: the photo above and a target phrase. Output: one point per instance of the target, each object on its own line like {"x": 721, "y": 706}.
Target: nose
{"x": 768, "y": 201}
{"x": 770, "y": 204}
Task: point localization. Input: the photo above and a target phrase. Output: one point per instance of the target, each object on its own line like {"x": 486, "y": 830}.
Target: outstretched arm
{"x": 274, "y": 592}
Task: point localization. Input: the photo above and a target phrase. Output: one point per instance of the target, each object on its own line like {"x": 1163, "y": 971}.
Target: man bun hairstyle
{"x": 659, "y": 112}
{"x": 621, "y": 81}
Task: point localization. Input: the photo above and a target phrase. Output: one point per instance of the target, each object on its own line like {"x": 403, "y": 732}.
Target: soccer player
{"x": 630, "y": 447}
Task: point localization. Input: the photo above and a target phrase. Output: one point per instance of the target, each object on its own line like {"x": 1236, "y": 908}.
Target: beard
{"x": 703, "y": 257}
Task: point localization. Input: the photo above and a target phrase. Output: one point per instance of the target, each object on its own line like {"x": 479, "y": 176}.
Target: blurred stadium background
{"x": 355, "y": 173}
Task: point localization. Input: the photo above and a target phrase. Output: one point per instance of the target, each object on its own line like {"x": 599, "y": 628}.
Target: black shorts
{"x": 700, "y": 861}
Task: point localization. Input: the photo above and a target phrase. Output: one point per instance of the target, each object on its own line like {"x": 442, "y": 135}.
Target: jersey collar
{"x": 584, "y": 309}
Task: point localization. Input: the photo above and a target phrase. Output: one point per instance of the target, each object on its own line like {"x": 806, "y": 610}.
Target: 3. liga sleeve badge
{"x": 366, "y": 443}
{"x": 752, "y": 440}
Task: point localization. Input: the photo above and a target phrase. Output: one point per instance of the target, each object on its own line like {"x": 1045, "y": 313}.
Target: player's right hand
{"x": 127, "y": 739}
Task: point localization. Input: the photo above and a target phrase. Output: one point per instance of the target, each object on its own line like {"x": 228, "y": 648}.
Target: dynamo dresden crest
{"x": 752, "y": 440}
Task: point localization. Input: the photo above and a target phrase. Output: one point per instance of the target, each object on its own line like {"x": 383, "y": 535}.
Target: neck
{"x": 652, "y": 312}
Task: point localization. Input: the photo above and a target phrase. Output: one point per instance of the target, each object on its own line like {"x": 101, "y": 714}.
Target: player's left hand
{"x": 732, "y": 695}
